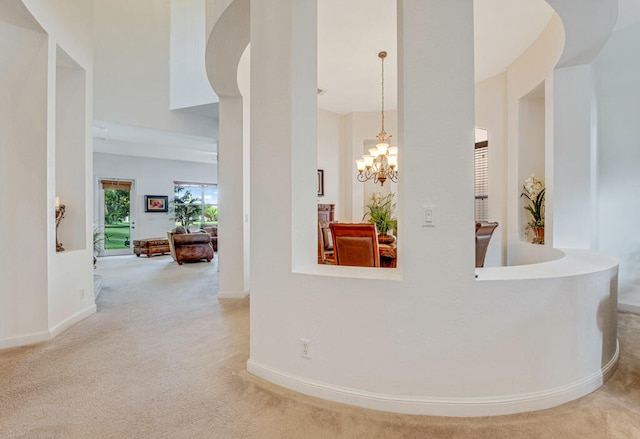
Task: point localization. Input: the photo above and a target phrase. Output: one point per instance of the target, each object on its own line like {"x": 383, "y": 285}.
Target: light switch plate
{"x": 429, "y": 216}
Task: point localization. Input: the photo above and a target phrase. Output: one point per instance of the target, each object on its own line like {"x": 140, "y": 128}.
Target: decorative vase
{"x": 538, "y": 235}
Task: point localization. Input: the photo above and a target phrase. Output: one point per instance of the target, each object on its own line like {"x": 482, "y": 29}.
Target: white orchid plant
{"x": 534, "y": 191}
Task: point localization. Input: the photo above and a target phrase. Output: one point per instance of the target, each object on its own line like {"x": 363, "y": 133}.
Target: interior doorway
{"x": 116, "y": 213}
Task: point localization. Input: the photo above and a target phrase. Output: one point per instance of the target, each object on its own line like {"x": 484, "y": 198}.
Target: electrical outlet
{"x": 305, "y": 348}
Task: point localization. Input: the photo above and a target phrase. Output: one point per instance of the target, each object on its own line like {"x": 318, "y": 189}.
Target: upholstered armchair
{"x": 484, "y": 231}
{"x": 213, "y": 231}
{"x": 190, "y": 246}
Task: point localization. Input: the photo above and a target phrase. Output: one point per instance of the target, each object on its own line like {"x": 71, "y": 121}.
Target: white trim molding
{"x": 438, "y": 406}
{"x": 58, "y": 329}
{"x": 39, "y": 337}
{"x": 24, "y": 340}
{"x": 233, "y": 294}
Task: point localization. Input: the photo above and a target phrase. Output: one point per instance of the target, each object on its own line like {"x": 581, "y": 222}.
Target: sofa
{"x": 190, "y": 246}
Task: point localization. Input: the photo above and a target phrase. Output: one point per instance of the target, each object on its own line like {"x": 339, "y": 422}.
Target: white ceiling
{"x": 351, "y": 33}
{"x": 118, "y": 138}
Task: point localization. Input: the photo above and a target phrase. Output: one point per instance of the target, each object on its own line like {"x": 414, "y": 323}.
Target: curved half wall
{"x": 550, "y": 337}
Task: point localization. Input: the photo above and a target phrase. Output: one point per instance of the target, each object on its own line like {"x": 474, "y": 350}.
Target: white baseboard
{"x": 232, "y": 294}
{"x": 39, "y": 337}
{"x": 24, "y": 340}
{"x": 71, "y": 320}
{"x": 438, "y": 406}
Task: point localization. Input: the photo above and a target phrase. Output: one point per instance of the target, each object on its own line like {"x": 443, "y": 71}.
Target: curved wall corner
{"x": 587, "y": 28}
{"x": 226, "y": 44}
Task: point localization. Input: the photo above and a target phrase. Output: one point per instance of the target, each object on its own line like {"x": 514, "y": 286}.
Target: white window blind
{"x": 481, "y": 181}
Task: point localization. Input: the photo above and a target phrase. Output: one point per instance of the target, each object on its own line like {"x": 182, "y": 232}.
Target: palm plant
{"x": 211, "y": 213}
{"x": 186, "y": 208}
{"x": 380, "y": 211}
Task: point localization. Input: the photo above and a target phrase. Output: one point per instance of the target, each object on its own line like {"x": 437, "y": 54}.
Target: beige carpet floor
{"x": 164, "y": 358}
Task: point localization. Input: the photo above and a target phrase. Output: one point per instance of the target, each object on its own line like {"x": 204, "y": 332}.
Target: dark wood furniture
{"x": 484, "y": 231}
{"x": 326, "y": 212}
{"x": 325, "y": 241}
{"x": 355, "y": 244}
{"x": 150, "y": 246}
{"x": 388, "y": 255}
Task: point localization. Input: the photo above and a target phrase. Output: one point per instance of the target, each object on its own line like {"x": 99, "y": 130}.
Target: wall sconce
{"x": 60, "y": 208}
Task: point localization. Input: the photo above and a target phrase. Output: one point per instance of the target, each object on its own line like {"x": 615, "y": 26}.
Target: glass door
{"x": 117, "y": 223}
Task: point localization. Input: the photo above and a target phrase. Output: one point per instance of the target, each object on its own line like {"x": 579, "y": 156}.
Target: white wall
{"x": 329, "y": 136}
{"x": 491, "y": 114}
{"x": 617, "y": 76}
{"x": 574, "y": 156}
{"x": 152, "y": 177}
{"x": 23, "y": 163}
{"x": 189, "y": 83}
{"x": 429, "y": 314}
{"x": 533, "y": 68}
{"x": 41, "y": 289}
{"x": 132, "y": 64}
{"x": 506, "y": 108}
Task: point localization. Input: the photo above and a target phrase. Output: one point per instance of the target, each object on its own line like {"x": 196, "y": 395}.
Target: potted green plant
{"x": 98, "y": 243}
{"x": 534, "y": 192}
{"x": 381, "y": 211}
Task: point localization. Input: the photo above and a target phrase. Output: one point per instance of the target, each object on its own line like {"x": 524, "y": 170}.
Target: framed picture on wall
{"x": 320, "y": 182}
{"x": 156, "y": 203}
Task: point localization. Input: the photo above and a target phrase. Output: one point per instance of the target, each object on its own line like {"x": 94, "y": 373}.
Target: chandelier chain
{"x": 382, "y": 92}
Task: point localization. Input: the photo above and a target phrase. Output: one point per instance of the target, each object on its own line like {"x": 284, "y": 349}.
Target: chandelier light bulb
{"x": 368, "y": 160}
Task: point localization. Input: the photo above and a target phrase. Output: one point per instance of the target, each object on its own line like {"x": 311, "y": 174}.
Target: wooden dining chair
{"x": 355, "y": 244}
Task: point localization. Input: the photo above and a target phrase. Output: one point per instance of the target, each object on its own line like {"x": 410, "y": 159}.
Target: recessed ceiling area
{"x": 351, "y": 33}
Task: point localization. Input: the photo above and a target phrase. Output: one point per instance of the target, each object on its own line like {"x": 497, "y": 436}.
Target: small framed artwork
{"x": 320, "y": 182}
{"x": 156, "y": 203}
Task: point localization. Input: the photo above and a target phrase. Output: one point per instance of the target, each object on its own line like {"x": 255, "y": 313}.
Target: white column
{"x": 230, "y": 199}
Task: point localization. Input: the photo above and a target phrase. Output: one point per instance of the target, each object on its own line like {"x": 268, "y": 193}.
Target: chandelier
{"x": 382, "y": 161}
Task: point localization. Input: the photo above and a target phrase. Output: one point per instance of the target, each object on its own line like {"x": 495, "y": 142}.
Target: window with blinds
{"x": 481, "y": 181}
{"x": 116, "y": 185}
